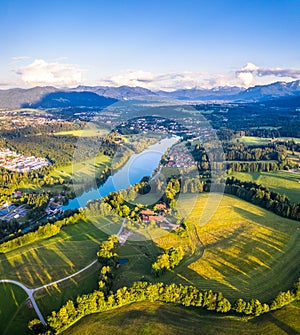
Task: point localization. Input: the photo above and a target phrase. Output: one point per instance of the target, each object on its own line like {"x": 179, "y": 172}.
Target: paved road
{"x": 31, "y": 291}
{"x": 65, "y": 278}
{"x": 30, "y": 295}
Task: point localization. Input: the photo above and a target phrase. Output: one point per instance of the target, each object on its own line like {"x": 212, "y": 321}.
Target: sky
{"x": 154, "y": 44}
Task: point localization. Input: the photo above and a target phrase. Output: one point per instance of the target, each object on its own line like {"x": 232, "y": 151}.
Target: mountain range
{"x": 86, "y": 96}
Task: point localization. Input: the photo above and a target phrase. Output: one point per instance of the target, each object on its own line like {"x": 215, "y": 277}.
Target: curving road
{"x": 66, "y": 278}
{"x": 31, "y": 291}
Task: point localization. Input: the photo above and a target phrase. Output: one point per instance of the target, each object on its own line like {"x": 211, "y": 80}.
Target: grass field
{"x": 14, "y": 315}
{"x": 48, "y": 260}
{"x": 87, "y": 167}
{"x": 243, "y": 251}
{"x": 86, "y": 132}
{"x": 166, "y": 319}
{"x": 252, "y": 140}
{"x": 86, "y": 170}
{"x": 53, "y": 297}
{"x": 283, "y": 182}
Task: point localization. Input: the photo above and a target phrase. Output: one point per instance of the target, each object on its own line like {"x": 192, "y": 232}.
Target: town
{"x": 13, "y": 161}
{"x": 179, "y": 157}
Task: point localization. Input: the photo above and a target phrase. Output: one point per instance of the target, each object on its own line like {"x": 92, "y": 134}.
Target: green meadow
{"x": 88, "y": 167}
{"x": 14, "y": 314}
{"x": 283, "y": 182}
{"x": 242, "y": 250}
{"x": 50, "y": 259}
{"x": 161, "y": 319}
{"x": 253, "y": 140}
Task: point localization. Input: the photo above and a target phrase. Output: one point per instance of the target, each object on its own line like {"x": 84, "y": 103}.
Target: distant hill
{"x": 41, "y": 96}
{"x": 271, "y": 91}
{"x": 218, "y": 93}
{"x": 71, "y": 99}
{"x": 120, "y": 93}
{"x": 16, "y": 97}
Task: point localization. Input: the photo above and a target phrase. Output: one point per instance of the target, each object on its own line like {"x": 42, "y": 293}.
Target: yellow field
{"x": 87, "y": 132}
{"x": 248, "y": 251}
{"x": 242, "y": 250}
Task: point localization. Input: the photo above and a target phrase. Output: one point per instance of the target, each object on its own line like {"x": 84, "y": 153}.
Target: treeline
{"x": 243, "y": 152}
{"x": 60, "y": 149}
{"x": 261, "y": 196}
{"x": 168, "y": 260}
{"x": 253, "y": 166}
{"x": 115, "y": 204}
{"x": 13, "y": 179}
{"x": 42, "y": 232}
{"x": 46, "y": 128}
{"x": 183, "y": 295}
{"x": 240, "y": 152}
{"x": 108, "y": 258}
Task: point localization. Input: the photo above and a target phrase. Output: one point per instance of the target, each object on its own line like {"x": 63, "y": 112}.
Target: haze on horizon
{"x": 157, "y": 45}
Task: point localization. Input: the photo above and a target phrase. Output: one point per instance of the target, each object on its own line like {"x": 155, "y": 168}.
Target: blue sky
{"x": 156, "y": 44}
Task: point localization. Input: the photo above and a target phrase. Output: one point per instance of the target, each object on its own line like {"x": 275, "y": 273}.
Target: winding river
{"x": 137, "y": 167}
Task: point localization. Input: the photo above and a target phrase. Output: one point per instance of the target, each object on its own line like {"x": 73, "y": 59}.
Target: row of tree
{"x": 261, "y": 196}
{"x": 108, "y": 258}
{"x": 253, "y": 166}
{"x": 184, "y": 295}
{"x": 41, "y": 232}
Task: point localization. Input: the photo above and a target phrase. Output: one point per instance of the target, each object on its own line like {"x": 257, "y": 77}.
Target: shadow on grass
{"x": 283, "y": 326}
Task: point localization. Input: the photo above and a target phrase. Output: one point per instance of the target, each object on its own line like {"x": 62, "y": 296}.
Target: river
{"x": 137, "y": 167}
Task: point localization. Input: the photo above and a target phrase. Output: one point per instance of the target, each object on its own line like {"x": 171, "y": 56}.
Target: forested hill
{"x": 71, "y": 99}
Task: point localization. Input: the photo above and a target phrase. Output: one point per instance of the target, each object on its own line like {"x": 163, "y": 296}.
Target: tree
{"x": 239, "y": 306}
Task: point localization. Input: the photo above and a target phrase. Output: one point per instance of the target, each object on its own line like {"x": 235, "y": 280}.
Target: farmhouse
{"x": 161, "y": 206}
{"x": 147, "y": 212}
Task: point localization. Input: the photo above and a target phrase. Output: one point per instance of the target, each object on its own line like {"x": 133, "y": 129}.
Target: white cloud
{"x": 292, "y": 73}
{"x": 40, "y": 72}
{"x": 249, "y": 67}
{"x": 247, "y": 78}
{"x": 58, "y": 73}
{"x": 245, "y": 74}
{"x": 248, "y": 75}
{"x": 254, "y": 75}
{"x": 164, "y": 81}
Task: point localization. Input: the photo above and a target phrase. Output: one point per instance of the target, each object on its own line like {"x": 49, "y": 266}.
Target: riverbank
{"x": 137, "y": 167}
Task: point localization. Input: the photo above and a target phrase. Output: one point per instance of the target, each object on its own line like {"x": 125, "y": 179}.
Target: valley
{"x": 160, "y": 179}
